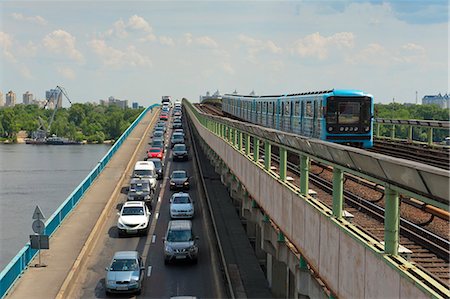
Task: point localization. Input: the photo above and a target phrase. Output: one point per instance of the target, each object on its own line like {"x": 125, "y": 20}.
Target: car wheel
{"x": 138, "y": 292}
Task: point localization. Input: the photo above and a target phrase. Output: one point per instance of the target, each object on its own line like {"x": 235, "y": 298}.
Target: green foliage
{"x": 79, "y": 122}
{"x": 399, "y": 111}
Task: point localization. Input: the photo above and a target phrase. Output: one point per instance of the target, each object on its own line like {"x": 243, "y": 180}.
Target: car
{"x": 134, "y": 218}
{"x": 179, "y": 180}
{"x": 177, "y": 124}
{"x": 163, "y": 116}
{"x": 181, "y": 206}
{"x": 181, "y": 131}
{"x": 179, "y": 152}
{"x": 161, "y": 126}
{"x": 155, "y": 152}
{"x": 159, "y": 167}
{"x": 140, "y": 190}
{"x": 158, "y": 134}
{"x": 176, "y": 139}
{"x": 158, "y": 143}
{"x": 180, "y": 241}
{"x": 125, "y": 273}
{"x": 158, "y": 139}
{"x": 177, "y": 114}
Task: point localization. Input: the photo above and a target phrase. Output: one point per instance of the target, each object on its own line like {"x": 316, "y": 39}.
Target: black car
{"x": 177, "y": 124}
{"x": 180, "y": 152}
{"x": 158, "y": 143}
{"x": 179, "y": 180}
{"x": 177, "y": 138}
{"x": 159, "y": 167}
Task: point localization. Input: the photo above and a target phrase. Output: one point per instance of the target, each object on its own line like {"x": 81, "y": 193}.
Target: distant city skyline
{"x": 141, "y": 50}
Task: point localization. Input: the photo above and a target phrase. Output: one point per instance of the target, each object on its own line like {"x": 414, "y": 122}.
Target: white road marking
{"x": 149, "y": 271}
{"x": 157, "y": 215}
{"x": 159, "y": 198}
{"x": 153, "y": 239}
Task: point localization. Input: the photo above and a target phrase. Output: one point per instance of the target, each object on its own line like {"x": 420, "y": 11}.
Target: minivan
{"x": 146, "y": 170}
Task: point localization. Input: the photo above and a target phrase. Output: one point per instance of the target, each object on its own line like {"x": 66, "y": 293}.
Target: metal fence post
{"x": 283, "y": 163}
{"x": 338, "y": 188}
{"x": 267, "y": 155}
{"x": 255, "y": 149}
{"x": 430, "y": 136}
{"x": 391, "y": 221}
{"x": 247, "y": 144}
{"x": 410, "y": 133}
{"x": 304, "y": 175}
{"x": 239, "y": 140}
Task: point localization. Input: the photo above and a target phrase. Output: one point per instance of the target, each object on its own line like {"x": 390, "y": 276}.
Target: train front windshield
{"x": 348, "y": 112}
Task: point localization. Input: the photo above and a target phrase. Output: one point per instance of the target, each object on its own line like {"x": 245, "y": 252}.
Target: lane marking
{"x": 153, "y": 239}
{"x": 157, "y": 215}
{"x": 159, "y": 198}
{"x": 149, "y": 271}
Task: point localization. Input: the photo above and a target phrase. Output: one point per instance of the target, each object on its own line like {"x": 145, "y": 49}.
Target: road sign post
{"x": 39, "y": 241}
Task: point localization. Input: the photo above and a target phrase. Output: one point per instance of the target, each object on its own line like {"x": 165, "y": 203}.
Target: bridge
{"x": 264, "y": 231}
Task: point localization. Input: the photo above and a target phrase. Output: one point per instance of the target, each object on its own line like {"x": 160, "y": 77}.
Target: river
{"x": 33, "y": 175}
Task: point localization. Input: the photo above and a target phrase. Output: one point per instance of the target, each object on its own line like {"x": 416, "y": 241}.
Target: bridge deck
{"x": 69, "y": 239}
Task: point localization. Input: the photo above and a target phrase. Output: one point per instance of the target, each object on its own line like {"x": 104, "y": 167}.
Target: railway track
{"x": 434, "y": 157}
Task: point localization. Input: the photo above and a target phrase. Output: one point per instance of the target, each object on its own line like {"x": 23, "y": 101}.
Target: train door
{"x": 277, "y": 111}
{"x": 291, "y": 115}
{"x": 302, "y": 118}
{"x": 254, "y": 115}
{"x": 295, "y": 119}
{"x": 315, "y": 127}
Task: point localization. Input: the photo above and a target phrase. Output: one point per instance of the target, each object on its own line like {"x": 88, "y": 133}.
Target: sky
{"x": 141, "y": 50}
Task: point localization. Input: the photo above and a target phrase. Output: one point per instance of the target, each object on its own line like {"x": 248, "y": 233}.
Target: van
{"x": 146, "y": 170}
{"x": 180, "y": 242}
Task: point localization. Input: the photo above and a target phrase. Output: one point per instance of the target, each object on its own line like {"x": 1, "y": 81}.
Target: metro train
{"x": 341, "y": 116}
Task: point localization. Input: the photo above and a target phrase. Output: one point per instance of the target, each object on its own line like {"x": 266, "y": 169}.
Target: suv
{"x": 180, "y": 241}
{"x": 177, "y": 138}
{"x": 125, "y": 273}
{"x": 140, "y": 190}
{"x": 179, "y": 152}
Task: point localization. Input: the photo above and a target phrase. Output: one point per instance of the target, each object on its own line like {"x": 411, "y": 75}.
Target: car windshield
{"x": 155, "y": 150}
{"x": 179, "y": 174}
{"x": 157, "y": 143}
{"x": 140, "y": 187}
{"x": 158, "y": 134}
{"x": 157, "y": 163}
{"x": 179, "y": 147}
{"x": 124, "y": 265}
{"x": 132, "y": 211}
{"x": 181, "y": 199}
{"x": 179, "y": 236}
{"x": 142, "y": 172}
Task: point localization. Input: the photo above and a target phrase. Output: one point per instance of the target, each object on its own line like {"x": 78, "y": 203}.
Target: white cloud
{"x": 165, "y": 40}
{"x": 25, "y": 72}
{"x": 32, "y": 19}
{"x": 6, "y": 43}
{"x": 116, "y": 58}
{"x": 138, "y": 23}
{"x": 207, "y": 42}
{"x": 316, "y": 45}
{"x": 148, "y": 38}
{"x": 227, "y": 68}
{"x": 378, "y": 55}
{"x": 62, "y": 42}
{"x": 135, "y": 23}
{"x": 67, "y": 72}
{"x": 188, "y": 39}
{"x": 256, "y": 46}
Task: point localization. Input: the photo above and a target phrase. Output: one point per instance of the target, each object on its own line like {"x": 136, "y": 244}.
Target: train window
{"x": 287, "y": 110}
{"x": 296, "y": 108}
{"x": 264, "y": 107}
{"x": 316, "y": 110}
{"x": 309, "y": 109}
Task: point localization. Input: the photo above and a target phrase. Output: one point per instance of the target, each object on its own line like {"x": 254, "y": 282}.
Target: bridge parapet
{"x": 350, "y": 262}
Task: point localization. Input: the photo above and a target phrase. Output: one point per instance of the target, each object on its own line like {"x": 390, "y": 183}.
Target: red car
{"x": 163, "y": 116}
{"x": 155, "y": 152}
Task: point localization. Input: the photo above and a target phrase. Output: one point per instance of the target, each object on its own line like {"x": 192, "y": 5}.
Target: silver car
{"x": 180, "y": 242}
{"x": 125, "y": 274}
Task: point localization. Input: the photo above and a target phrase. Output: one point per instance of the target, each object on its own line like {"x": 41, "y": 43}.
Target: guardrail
{"x": 19, "y": 263}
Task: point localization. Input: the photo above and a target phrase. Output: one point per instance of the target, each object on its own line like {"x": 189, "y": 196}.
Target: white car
{"x": 134, "y": 218}
{"x": 181, "y": 206}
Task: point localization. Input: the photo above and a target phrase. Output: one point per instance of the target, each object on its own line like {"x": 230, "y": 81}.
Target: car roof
{"x": 180, "y": 194}
{"x": 179, "y": 145}
{"x": 138, "y": 181}
{"x": 144, "y": 165}
{"x": 126, "y": 255}
{"x": 155, "y": 148}
{"x": 134, "y": 204}
{"x": 180, "y": 224}
{"x": 179, "y": 171}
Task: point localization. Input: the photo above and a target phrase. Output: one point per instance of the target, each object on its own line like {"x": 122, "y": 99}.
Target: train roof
{"x": 337, "y": 92}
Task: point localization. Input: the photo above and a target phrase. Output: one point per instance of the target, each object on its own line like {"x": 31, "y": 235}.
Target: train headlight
{"x": 356, "y": 129}
{"x": 351, "y": 129}
{"x": 341, "y": 129}
{"x": 330, "y": 129}
{"x": 367, "y": 129}
{"x": 346, "y": 129}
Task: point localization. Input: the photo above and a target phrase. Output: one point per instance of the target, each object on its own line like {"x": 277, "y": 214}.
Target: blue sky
{"x": 144, "y": 49}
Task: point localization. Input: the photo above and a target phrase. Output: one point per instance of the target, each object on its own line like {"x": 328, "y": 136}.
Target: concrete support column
{"x": 255, "y": 149}
{"x": 267, "y": 155}
{"x": 338, "y": 189}
{"x": 391, "y": 221}
{"x": 304, "y": 175}
{"x": 247, "y": 144}
{"x": 283, "y": 163}
{"x": 279, "y": 278}
{"x": 430, "y": 136}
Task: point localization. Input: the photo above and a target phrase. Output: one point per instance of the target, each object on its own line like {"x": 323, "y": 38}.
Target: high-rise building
{"x": 2, "y": 102}
{"x": 10, "y": 99}
{"x": 121, "y": 103}
{"x": 442, "y": 101}
{"x": 54, "y": 98}
{"x": 135, "y": 105}
{"x": 27, "y": 98}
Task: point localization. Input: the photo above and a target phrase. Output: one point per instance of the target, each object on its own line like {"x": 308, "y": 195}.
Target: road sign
{"x": 38, "y": 226}
{"x": 38, "y": 213}
{"x": 39, "y": 242}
